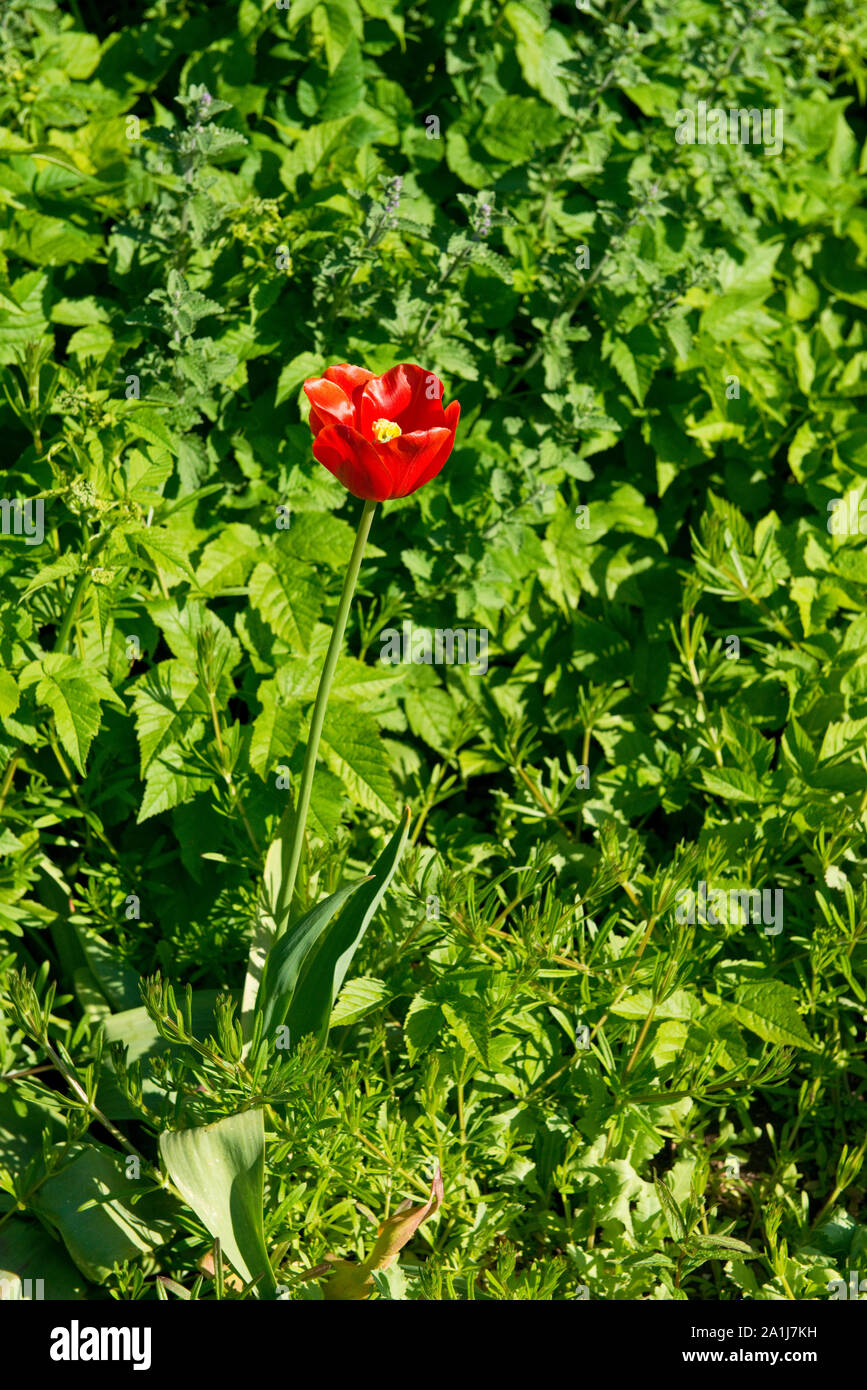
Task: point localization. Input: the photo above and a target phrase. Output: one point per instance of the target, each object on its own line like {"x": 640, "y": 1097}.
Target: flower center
{"x": 383, "y": 430}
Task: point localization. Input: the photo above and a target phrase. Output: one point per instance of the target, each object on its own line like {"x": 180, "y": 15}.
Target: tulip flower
{"x": 381, "y": 436}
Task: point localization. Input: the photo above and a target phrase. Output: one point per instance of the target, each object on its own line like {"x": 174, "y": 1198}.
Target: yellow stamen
{"x": 384, "y": 430}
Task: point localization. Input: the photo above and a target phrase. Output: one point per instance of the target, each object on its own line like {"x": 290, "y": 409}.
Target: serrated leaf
{"x": 286, "y": 595}
{"x": 165, "y": 551}
{"x": 320, "y": 538}
{"x": 423, "y": 1024}
{"x": 8, "y": 693}
{"x": 717, "y": 1247}
{"x": 143, "y": 422}
{"x": 432, "y": 716}
{"x": 63, "y": 568}
{"x": 352, "y": 748}
{"x": 734, "y": 785}
{"x": 635, "y": 359}
{"x": 227, "y": 560}
{"x": 181, "y": 624}
{"x": 482, "y": 254}
{"x": 540, "y": 52}
{"x": 296, "y": 372}
{"x": 169, "y": 705}
{"x": 74, "y": 692}
{"x": 357, "y": 998}
{"x": 276, "y": 731}
{"x": 469, "y": 1022}
{"x": 172, "y": 780}
{"x": 769, "y": 1009}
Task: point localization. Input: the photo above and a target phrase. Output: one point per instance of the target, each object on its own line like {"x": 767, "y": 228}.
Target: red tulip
{"x": 381, "y": 436}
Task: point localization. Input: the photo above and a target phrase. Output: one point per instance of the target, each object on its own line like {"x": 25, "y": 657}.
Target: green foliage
{"x": 219, "y": 1170}
{"x": 653, "y": 511}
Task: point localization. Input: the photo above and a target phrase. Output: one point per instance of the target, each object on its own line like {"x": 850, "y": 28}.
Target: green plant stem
{"x": 647, "y": 1022}
{"x": 227, "y": 772}
{"x": 90, "y": 1106}
{"x": 8, "y": 775}
{"x": 420, "y": 338}
{"x": 461, "y": 1116}
{"x": 71, "y": 611}
{"x": 625, "y": 986}
{"x": 321, "y": 704}
{"x": 81, "y": 583}
{"x": 90, "y": 828}
{"x": 264, "y": 935}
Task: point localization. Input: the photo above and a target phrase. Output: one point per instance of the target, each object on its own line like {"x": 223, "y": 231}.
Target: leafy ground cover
{"x": 615, "y": 991}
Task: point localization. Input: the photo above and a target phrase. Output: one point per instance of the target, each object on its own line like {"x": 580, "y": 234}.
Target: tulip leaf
{"x": 219, "y": 1170}
{"x": 88, "y": 1203}
{"x": 286, "y": 959}
{"x": 33, "y": 1264}
{"x": 325, "y": 971}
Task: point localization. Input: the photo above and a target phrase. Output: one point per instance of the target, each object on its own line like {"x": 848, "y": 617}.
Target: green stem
{"x": 318, "y": 719}
{"x": 8, "y": 776}
{"x": 265, "y": 935}
{"x": 419, "y": 341}
{"x": 81, "y": 584}
{"x": 227, "y": 771}
{"x": 71, "y": 611}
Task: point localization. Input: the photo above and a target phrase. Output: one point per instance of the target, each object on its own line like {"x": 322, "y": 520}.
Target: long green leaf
{"x": 88, "y": 1201}
{"x": 272, "y": 915}
{"x": 219, "y": 1170}
{"x": 29, "y": 1253}
{"x": 674, "y": 1217}
{"x": 325, "y": 970}
{"x": 286, "y": 960}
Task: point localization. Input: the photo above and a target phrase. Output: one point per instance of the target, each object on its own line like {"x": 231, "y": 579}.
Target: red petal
{"x": 347, "y": 377}
{"x": 401, "y": 395}
{"x": 354, "y": 462}
{"x": 451, "y": 416}
{"x": 352, "y": 380}
{"x": 411, "y": 455}
{"x": 330, "y": 404}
